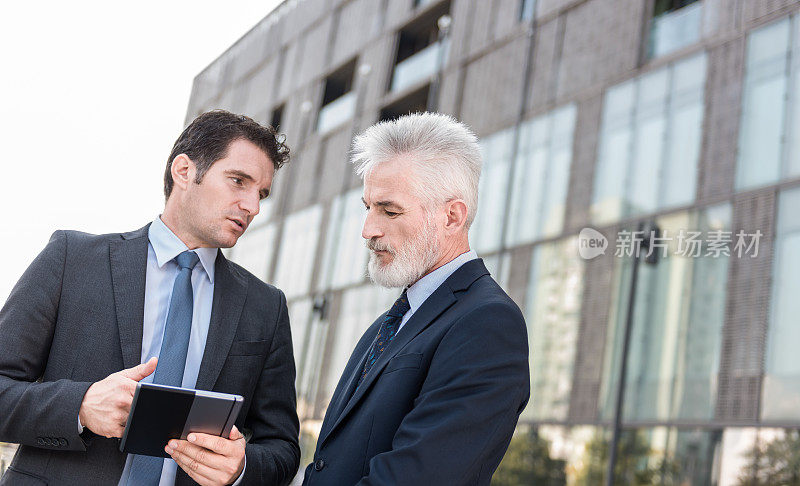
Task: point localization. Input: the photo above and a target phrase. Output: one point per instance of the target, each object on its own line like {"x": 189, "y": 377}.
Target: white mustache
{"x": 376, "y": 245}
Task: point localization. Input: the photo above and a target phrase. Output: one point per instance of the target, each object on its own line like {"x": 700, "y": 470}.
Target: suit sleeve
{"x": 35, "y": 413}
{"x": 273, "y": 453}
{"x": 462, "y": 421}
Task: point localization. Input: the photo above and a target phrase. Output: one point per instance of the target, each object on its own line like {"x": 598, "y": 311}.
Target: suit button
{"x": 39, "y": 441}
{"x": 63, "y": 442}
{"x": 319, "y": 465}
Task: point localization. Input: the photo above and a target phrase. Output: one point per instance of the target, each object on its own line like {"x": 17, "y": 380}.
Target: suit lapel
{"x": 128, "y": 258}
{"x": 230, "y": 290}
{"x": 438, "y": 302}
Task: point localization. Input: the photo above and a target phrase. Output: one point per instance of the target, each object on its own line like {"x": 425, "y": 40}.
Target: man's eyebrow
{"x": 240, "y": 174}
{"x": 383, "y": 204}
{"x": 262, "y": 194}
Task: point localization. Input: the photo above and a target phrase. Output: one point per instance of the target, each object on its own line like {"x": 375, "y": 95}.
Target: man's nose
{"x": 251, "y": 203}
{"x": 371, "y": 228}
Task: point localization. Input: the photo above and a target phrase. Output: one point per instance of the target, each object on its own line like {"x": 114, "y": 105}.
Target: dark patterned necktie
{"x": 386, "y": 332}
{"x": 146, "y": 470}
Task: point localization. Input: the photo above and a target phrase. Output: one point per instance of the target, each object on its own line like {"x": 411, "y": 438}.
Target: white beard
{"x": 409, "y": 263}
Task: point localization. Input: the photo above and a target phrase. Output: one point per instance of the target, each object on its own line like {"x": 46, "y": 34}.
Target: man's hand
{"x": 208, "y": 459}
{"x": 107, "y": 403}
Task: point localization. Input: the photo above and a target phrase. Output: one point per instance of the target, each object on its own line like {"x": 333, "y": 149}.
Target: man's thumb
{"x": 235, "y": 434}
{"x": 139, "y": 372}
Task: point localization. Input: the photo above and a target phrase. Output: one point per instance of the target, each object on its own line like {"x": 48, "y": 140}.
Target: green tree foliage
{"x": 775, "y": 463}
{"x": 528, "y": 462}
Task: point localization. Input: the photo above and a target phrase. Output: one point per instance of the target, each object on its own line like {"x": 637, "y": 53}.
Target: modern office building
{"x": 679, "y": 114}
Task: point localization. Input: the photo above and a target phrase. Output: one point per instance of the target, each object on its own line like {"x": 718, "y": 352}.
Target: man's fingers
{"x": 211, "y": 442}
{"x": 139, "y": 372}
{"x": 198, "y": 471}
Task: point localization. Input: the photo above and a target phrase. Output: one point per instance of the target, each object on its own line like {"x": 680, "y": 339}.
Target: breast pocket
{"x": 248, "y": 348}
{"x": 403, "y": 362}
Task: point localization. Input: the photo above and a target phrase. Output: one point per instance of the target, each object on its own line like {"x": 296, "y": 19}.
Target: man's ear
{"x": 456, "y": 213}
{"x": 183, "y": 171}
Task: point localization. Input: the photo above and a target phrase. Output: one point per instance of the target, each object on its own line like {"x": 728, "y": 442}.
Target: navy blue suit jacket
{"x": 441, "y": 403}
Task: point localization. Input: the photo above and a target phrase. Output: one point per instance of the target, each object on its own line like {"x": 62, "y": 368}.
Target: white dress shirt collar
{"x": 424, "y": 287}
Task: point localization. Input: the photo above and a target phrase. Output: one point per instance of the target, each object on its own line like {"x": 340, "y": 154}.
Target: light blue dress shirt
{"x": 164, "y": 246}
{"x": 424, "y": 287}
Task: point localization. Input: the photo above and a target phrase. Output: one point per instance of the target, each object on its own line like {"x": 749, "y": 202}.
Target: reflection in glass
{"x": 781, "y": 391}
{"x": 677, "y": 327}
{"x": 552, "y": 313}
{"x": 541, "y": 176}
{"x": 650, "y": 142}
{"x": 554, "y": 455}
{"x": 486, "y": 230}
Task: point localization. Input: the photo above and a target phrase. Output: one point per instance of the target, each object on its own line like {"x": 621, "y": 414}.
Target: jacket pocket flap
{"x": 403, "y": 361}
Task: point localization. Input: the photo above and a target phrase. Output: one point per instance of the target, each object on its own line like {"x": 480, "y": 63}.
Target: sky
{"x": 92, "y": 96}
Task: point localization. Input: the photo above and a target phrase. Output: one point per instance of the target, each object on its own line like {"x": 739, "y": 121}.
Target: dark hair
{"x": 207, "y": 138}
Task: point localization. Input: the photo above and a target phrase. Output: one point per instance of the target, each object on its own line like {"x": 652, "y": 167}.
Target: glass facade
{"x": 770, "y": 123}
{"x": 674, "y": 354}
{"x": 781, "y": 392}
{"x": 345, "y": 259}
{"x": 541, "y": 176}
{"x": 486, "y": 231}
{"x": 552, "y": 314}
{"x": 297, "y": 251}
{"x": 650, "y": 142}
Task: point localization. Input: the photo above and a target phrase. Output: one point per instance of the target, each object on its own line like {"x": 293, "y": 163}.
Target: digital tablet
{"x": 160, "y": 413}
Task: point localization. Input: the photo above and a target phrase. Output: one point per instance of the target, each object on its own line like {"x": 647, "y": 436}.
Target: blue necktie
{"x": 146, "y": 470}
{"x": 386, "y": 333}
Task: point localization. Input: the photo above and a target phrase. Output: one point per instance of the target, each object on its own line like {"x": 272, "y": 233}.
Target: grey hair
{"x": 444, "y": 153}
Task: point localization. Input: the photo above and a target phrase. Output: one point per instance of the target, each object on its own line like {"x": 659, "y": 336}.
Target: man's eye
{"x": 236, "y": 181}
{"x": 391, "y": 214}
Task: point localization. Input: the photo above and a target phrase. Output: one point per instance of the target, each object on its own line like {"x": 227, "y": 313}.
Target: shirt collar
{"x": 167, "y": 246}
{"x": 424, "y": 287}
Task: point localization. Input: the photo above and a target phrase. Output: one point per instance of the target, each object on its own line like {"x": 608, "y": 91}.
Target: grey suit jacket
{"x": 75, "y": 316}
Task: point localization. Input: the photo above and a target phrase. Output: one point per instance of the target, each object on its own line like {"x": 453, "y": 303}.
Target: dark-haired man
{"x": 93, "y": 315}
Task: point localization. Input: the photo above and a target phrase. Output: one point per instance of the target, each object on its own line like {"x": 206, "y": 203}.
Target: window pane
{"x": 345, "y": 260}
{"x": 553, "y": 316}
{"x": 554, "y": 455}
{"x": 763, "y": 106}
{"x": 298, "y": 248}
{"x": 486, "y": 229}
{"x": 677, "y": 327}
{"x": 648, "y": 154}
{"x": 673, "y": 30}
{"x": 541, "y": 176}
{"x": 781, "y": 394}
{"x": 255, "y": 249}
{"x": 665, "y": 455}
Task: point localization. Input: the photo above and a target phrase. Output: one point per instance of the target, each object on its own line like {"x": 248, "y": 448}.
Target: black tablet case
{"x": 160, "y": 413}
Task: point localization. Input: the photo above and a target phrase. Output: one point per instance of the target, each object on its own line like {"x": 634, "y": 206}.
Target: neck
{"x": 449, "y": 253}
{"x": 171, "y": 220}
